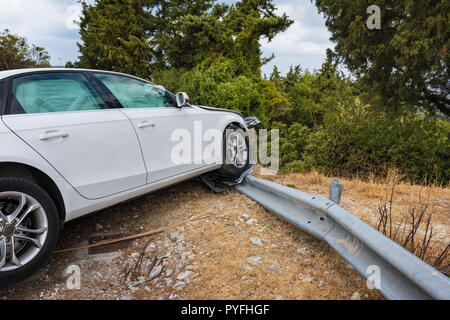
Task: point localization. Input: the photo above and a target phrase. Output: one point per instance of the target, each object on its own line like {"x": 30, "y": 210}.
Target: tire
{"x": 41, "y": 224}
{"x": 231, "y": 167}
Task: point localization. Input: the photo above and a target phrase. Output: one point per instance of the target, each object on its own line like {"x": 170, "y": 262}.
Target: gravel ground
{"x": 238, "y": 251}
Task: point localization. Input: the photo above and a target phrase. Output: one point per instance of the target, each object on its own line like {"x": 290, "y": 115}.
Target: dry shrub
{"x": 414, "y": 231}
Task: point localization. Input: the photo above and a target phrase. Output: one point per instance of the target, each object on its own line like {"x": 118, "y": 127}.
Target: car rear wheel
{"x": 236, "y": 152}
{"x": 29, "y": 229}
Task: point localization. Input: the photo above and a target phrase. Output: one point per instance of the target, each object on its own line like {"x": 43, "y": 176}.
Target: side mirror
{"x": 182, "y": 99}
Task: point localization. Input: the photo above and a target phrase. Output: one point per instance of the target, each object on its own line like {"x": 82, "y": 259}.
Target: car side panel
{"x": 14, "y": 150}
{"x": 99, "y": 157}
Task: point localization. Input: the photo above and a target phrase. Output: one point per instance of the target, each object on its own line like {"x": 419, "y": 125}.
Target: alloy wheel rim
{"x": 237, "y": 149}
{"x": 23, "y": 229}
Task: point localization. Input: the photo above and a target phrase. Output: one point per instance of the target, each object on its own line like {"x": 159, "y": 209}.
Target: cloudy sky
{"x": 48, "y": 23}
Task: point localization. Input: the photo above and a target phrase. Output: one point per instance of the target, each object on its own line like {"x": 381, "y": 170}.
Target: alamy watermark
{"x": 200, "y": 146}
{"x": 374, "y": 280}
{"x": 374, "y": 20}
{"x": 73, "y": 275}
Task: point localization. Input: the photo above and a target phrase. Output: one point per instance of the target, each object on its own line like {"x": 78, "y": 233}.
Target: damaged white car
{"x": 75, "y": 141}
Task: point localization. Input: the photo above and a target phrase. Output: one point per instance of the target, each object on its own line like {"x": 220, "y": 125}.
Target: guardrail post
{"x": 336, "y": 191}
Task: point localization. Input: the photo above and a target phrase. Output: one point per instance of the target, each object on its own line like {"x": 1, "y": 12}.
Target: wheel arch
{"x": 24, "y": 171}
{"x": 238, "y": 124}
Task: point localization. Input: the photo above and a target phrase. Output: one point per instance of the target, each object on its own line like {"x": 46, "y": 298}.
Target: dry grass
{"x": 415, "y": 231}
{"x": 288, "y": 256}
{"x": 416, "y": 216}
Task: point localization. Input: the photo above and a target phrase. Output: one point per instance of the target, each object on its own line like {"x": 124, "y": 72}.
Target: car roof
{"x": 8, "y": 73}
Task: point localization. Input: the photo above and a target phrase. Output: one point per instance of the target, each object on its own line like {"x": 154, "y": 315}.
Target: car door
{"x": 63, "y": 118}
{"x": 158, "y": 122}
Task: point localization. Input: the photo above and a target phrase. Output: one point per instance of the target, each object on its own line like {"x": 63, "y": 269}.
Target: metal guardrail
{"x": 402, "y": 275}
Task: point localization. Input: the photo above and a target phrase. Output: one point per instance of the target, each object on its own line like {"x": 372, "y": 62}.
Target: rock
{"x": 174, "y": 235}
{"x": 180, "y": 247}
{"x": 278, "y": 297}
{"x": 174, "y": 297}
{"x": 307, "y": 278}
{"x": 356, "y": 296}
{"x": 236, "y": 223}
{"x": 275, "y": 267}
{"x": 255, "y": 260}
{"x": 169, "y": 282}
{"x": 135, "y": 254}
{"x": 190, "y": 267}
{"x": 252, "y": 221}
{"x": 98, "y": 275}
{"x": 184, "y": 275}
{"x": 184, "y": 255}
{"x": 169, "y": 272}
{"x": 321, "y": 283}
{"x": 256, "y": 241}
{"x": 302, "y": 250}
{"x": 179, "y": 285}
{"x": 151, "y": 247}
{"x": 156, "y": 272}
{"x": 245, "y": 217}
{"x": 180, "y": 265}
{"x": 127, "y": 297}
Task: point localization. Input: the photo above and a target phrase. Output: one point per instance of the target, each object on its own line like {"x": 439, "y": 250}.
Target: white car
{"x": 75, "y": 141}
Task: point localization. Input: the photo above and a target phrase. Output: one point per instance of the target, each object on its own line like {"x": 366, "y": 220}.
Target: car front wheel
{"x": 236, "y": 152}
{"x": 29, "y": 229}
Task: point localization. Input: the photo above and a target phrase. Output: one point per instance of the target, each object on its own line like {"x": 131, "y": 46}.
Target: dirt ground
{"x": 237, "y": 250}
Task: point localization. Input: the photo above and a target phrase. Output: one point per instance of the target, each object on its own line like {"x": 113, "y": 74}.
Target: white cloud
{"x": 45, "y": 23}
{"x": 49, "y": 23}
{"x": 304, "y": 43}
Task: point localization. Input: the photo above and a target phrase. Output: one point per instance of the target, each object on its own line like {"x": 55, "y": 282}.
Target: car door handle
{"x": 145, "y": 124}
{"x": 53, "y": 134}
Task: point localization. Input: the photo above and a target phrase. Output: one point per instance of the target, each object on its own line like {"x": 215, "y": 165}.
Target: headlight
{"x": 252, "y": 122}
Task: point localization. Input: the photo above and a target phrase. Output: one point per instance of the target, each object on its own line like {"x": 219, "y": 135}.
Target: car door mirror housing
{"x": 182, "y": 99}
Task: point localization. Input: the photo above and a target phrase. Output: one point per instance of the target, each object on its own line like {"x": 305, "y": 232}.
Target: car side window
{"x": 54, "y": 92}
{"x": 133, "y": 93}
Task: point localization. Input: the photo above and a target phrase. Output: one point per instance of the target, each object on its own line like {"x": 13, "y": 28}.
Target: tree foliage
{"x": 406, "y": 61}
{"x": 146, "y": 36}
{"x": 16, "y": 53}
{"x": 376, "y": 120}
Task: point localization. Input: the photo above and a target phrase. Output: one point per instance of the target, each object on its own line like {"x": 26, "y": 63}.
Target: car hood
{"x": 220, "y": 110}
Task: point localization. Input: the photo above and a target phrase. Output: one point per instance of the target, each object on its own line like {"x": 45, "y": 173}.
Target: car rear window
{"x": 55, "y": 92}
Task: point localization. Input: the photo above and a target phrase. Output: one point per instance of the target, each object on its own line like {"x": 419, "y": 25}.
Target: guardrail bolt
{"x": 336, "y": 191}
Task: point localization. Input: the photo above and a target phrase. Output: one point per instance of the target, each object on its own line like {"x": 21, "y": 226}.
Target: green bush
{"x": 359, "y": 140}
{"x": 322, "y": 121}
{"x": 217, "y": 85}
